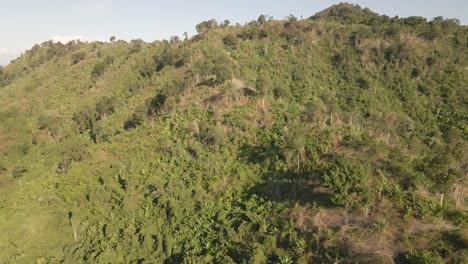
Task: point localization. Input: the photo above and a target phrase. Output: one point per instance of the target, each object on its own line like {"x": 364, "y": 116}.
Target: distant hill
{"x": 341, "y": 138}
{"x": 346, "y": 12}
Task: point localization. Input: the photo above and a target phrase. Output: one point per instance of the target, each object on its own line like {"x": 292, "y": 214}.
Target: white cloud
{"x": 67, "y": 38}
{"x": 6, "y": 55}
{"x": 9, "y": 52}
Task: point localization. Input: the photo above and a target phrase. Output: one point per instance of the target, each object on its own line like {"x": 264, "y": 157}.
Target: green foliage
{"x": 136, "y": 45}
{"x": 98, "y": 70}
{"x": 261, "y": 19}
{"x": 84, "y": 119}
{"x": 347, "y": 13}
{"x": 344, "y": 178}
{"x": 293, "y": 145}
{"x": 230, "y": 40}
{"x": 295, "y": 141}
{"x": 137, "y": 117}
{"x": 52, "y": 122}
{"x": 3, "y": 77}
{"x": 72, "y": 150}
{"x": 205, "y": 26}
{"x": 423, "y": 256}
{"x": 223, "y": 73}
{"x": 105, "y": 106}
{"x": 264, "y": 83}
{"x": 168, "y": 56}
{"x": 156, "y": 104}
{"x": 78, "y": 56}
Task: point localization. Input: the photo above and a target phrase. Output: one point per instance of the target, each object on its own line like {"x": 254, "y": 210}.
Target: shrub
{"x": 230, "y": 40}
{"x": 78, "y": 56}
{"x": 424, "y": 257}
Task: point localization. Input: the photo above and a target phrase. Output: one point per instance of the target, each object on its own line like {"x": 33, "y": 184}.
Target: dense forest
{"x": 337, "y": 138}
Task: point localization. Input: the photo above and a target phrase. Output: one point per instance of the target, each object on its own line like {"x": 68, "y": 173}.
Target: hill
{"x": 342, "y": 137}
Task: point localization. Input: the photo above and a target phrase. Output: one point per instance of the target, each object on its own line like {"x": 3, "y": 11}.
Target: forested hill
{"x": 341, "y": 137}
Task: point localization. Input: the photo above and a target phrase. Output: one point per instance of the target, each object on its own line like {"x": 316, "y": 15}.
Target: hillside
{"x": 341, "y": 137}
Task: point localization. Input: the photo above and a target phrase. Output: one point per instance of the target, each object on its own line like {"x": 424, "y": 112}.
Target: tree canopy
{"x": 340, "y": 138}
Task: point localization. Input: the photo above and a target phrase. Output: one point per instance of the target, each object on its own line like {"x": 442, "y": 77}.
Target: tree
{"x": 73, "y": 150}
{"x": 136, "y": 45}
{"x": 414, "y": 20}
{"x": 112, "y": 39}
{"x": 226, "y": 23}
{"x": 424, "y": 256}
{"x": 205, "y": 26}
{"x": 294, "y": 144}
{"x": 174, "y": 39}
{"x": 137, "y": 118}
{"x": 223, "y": 73}
{"x": 105, "y": 107}
{"x": 98, "y": 70}
{"x": 230, "y": 40}
{"x": 343, "y": 178}
{"x": 52, "y": 122}
{"x": 156, "y": 104}
{"x": 84, "y": 119}
{"x": 167, "y": 56}
{"x": 437, "y": 19}
{"x": 292, "y": 19}
{"x": 261, "y": 19}
{"x": 78, "y": 56}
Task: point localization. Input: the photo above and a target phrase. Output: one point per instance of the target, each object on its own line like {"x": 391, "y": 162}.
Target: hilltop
{"x": 341, "y": 137}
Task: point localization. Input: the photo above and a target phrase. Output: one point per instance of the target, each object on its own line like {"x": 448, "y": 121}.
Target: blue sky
{"x": 24, "y": 23}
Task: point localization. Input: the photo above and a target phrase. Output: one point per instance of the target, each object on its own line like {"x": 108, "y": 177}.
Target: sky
{"x": 24, "y": 23}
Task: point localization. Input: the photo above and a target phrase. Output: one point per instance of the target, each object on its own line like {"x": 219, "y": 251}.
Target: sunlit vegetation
{"x": 340, "y": 137}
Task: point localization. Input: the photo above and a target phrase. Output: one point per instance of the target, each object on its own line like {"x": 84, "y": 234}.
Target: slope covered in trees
{"x": 342, "y": 137}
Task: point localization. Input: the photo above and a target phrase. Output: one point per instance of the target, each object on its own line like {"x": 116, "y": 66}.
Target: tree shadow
{"x": 245, "y": 91}
{"x": 284, "y": 186}
{"x": 249, "y": 92}
{"x": 293, "y": 191}
{"x": 211, "y": 82}
{"x": 214, "y": 98}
